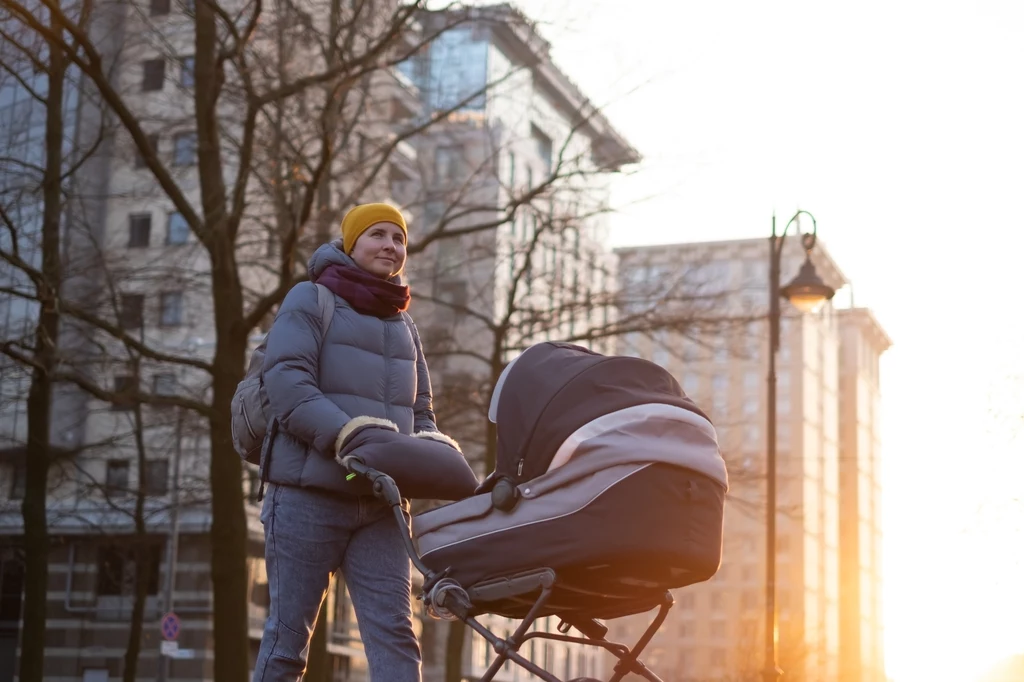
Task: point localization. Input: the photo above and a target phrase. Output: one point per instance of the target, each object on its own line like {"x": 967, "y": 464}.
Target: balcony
{"x": 403, "y": 170}
{"x": 403, "y": 95}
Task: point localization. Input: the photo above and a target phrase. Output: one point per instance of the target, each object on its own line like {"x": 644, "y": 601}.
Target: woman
{"x": 367, "y": 373}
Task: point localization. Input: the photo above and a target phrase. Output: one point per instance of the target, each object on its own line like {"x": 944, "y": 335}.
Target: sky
{"x": 900, "y": 126}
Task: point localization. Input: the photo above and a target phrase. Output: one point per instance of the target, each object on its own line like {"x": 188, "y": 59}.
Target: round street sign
{"x": 170, "y": 626}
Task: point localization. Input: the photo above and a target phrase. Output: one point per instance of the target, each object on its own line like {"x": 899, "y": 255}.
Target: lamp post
{"x": 807, "y": 292}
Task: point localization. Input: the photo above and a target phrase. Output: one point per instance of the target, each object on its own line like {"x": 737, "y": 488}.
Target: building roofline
{"x": 867, "y": 320}
{"x": 519, "y": 33}
{"x": 822, "y": 257}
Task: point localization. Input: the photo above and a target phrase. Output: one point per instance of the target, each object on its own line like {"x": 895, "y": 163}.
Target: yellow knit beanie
{"x": 363, "y": 217}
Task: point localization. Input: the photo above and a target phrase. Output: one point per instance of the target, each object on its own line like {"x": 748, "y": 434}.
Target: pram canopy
{"x": 619, "y": 482}
{"x": 552, "y": 389}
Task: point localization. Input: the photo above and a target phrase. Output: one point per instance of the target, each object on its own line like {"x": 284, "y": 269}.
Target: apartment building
{"x": 828, "y": 489}
{"x": 131, "y": 257}
{"x": 519, "y": 168}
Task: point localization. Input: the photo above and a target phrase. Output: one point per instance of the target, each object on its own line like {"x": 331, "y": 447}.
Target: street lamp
{"x": 807, "y": 292}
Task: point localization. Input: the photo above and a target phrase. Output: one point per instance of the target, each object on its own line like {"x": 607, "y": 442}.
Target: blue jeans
{"x": 310, "y": 535}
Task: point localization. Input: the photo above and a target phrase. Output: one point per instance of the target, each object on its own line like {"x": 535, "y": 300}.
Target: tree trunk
{"x": 37, "y": 452}
{"x": 228, "y": 531}
{"x": 453, "y": 651}
{"x": 318, "y": 667}
{"x": 140, "y": 550}
{"x": 228, "y": 535}
{"x": 143, "y": 569}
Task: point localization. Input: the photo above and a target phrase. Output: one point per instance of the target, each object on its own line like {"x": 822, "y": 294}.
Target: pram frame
{"x": 448, "y": 595}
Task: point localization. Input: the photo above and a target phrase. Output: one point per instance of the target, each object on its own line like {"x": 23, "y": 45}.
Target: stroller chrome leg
{"x": 506, "y": 650}
{"x": 630, "y": 662}
{"x": 509, "y": 649}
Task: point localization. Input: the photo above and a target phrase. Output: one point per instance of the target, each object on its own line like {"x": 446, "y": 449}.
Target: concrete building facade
{"x": 717, "y": 629}
{"x": 861, "y": 651}
{"x": 519, "y": 168}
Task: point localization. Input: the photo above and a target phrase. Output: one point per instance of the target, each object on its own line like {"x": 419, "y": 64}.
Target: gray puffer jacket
{"x": 367, "y": 368}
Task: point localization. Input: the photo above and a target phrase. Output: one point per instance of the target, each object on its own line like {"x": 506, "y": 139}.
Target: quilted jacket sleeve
{"x": 291, "y": 370}
{"x": 423, "y": 417}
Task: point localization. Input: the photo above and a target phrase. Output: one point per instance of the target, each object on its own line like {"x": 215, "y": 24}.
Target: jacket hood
{"x": 331, "y": 254}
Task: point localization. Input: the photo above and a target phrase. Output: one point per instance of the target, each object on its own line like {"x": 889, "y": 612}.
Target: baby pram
{"x": 608, "y": 491}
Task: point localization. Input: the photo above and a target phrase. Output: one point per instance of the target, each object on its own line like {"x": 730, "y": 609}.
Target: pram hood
{"x": 553, "y": 389}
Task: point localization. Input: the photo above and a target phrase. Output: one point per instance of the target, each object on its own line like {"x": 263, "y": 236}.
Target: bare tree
{"x": 274, "y": 132}
{"x": 32, "y": 204}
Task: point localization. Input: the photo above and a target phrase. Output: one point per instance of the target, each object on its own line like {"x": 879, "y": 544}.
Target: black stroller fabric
{"x": 557, "y": 388}
{"x": 620, "y": 484}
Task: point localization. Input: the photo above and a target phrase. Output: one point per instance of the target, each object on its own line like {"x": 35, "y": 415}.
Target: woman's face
{"x": 380, "y": 250}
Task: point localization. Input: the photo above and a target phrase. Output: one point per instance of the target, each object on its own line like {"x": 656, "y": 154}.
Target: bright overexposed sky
{"x": 900, "y": 125}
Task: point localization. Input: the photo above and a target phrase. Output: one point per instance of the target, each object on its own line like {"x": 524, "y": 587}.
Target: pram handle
{"x": 384, "y": 486}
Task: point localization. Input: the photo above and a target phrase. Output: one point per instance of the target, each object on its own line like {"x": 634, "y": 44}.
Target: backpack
{"x": 249, "y": 406}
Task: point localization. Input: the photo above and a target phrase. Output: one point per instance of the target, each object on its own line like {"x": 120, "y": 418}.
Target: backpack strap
{"x": 325, "y": 302}
{"x": 408, "y": 323}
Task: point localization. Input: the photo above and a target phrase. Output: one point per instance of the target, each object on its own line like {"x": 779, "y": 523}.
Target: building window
{"x": 156, "y": 477}
{"x": 751, "y": 381}
{"x": 125, "y": 388}
{"x": 453, "y": 292}
{"x": 721, "y": 352}
{"x": 782, "y": 434}
{"x": 177, "y": 229}
{"x": 753, "y": 435}
{"x": 139, "y": 225}
{"x": 164, "y": 384}
{"x": 154, "y": 142}
{"x": 782, "y": 545}
{"x": 543, "y": 146}
{"x": 132, "y": 306}
{"x": 185, "y": 149}
{"x": 660, "y": 354}
{"x": 718, "y": 628}
{"x": 170, "y": 309}
{"x": 152, "y": 75}
{"x": 116, "y": 571}
{"x": 446, "y": 163}
{"x": 117, "y": 477}
{"x": 18, "y": 481}
{"x": 188, "y": 72}
{"x": 158, "y": 8}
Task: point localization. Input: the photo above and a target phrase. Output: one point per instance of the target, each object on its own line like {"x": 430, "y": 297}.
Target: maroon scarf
{"x": 365, "y": 292}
